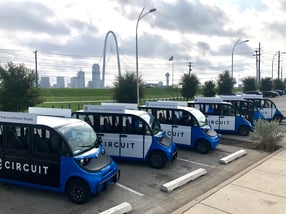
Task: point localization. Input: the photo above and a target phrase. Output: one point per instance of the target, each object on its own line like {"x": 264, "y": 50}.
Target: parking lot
{"x": 140, "y": 185}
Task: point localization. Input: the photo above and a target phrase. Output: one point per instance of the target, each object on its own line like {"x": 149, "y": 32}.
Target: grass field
{"x": 76, "y": 98}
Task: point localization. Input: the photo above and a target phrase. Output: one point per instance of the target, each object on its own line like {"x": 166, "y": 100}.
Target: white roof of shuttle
{"x": 31, "y": 118}
{"x": 115, "y": 109}
{"x": 55, "y": 122}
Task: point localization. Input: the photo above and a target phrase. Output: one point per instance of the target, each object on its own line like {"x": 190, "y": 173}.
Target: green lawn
{"x": 76, "y": 98}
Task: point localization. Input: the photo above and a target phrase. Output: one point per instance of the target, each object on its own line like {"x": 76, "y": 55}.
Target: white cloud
{"x": 200, "y": 31}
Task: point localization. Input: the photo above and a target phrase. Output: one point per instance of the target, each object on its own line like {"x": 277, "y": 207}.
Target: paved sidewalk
{"x": 260, "y": 188}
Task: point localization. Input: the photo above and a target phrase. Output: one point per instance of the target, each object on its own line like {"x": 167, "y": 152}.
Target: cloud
{"x": 27, "y": 16}
{"x": 185, "y": 16}
{"x": 200, "y": 31}
{"x": 193, "y": 17}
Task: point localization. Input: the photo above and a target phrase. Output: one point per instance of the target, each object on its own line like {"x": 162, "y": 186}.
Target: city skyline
{"x": 77, "y": 81}
{"x": 95, "y": 82}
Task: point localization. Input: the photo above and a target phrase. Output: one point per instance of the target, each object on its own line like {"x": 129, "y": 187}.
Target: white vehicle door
{"x": 211, "y": 112}
{"x": 109, "y": 136}
{"x": 267, "y": 113}
{"x": 213, "y": 121}
{"x": 111, "y": 143}
{"x": 227, "y": 123}
{"x": 170, "y": 122}
{"x": 165, "y": 120}
{"x": 227, "y": 117}
{"x": 133, "y": 141}
{"x": 267, "y": 109}
{"x": 182, "y": 127}
{"x": 168, "y": 128}
{"x": 178, "y": 133}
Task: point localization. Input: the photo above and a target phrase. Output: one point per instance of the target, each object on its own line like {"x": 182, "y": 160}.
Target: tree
{"x": 209, "y": 89}
{"x": 278, "y": 84}
{"x": 125, "y": 88}
{"x": 266, "y": 84}
{"x": 225, "y": 83}
{"x": 189, "y": 86}
{"x": 18, "y": 90}
{"x": 249, "y": 84}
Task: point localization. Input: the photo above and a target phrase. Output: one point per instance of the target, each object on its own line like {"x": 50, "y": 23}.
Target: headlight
{"x": 84, "y": 161}
{"x": 210, "y": 132}
{"x": 103, "y": 151}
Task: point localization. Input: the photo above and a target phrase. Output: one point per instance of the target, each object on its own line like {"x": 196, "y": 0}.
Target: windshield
{"x": 80, "y": 137}
{"x": 201, "y": 118}
{"x": 152, "y": 122}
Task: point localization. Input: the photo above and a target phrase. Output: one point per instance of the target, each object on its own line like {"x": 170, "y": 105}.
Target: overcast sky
{"x": 69, "y": 36}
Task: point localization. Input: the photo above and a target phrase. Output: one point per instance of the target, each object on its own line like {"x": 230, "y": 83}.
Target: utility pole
{"x": 259, "y": 71}
{"x": 172, "y": 60}
{"x": 36, "y": 67}
{"x": 278, "y": 70}
{"x": 190, "y": 68}
{"x": 256, "y": 60}
{"x": 257, "y": 55}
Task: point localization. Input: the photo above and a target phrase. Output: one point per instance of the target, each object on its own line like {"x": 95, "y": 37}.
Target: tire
{"x": 157, "y": 159}
{"x": 78, "y": 191}
{"x": 243, "y": 130}
{"x": 202, "y": 147}
{"x": 277, "y": 118}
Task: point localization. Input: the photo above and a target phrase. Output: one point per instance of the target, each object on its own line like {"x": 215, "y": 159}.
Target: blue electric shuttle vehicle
{"x": 222, "y": 116}
{"x": 265, "y": 106}
{"x": 54, "y": 153}
{"x": 244, "y": 106}
{"x": 129, "y": 134}
{"x": 186, "y": 126}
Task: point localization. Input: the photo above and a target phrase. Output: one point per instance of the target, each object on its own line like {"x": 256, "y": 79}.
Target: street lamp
{"x": 141, "y": 16}
{"x": 238, "y": 42}
{"x": 273, "y": 64}
{"x": 278, "y": 62}
{"x": 36, "y": 67}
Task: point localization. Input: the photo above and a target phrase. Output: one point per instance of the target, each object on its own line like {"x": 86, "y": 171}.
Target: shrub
{"x": 267, "y": 135}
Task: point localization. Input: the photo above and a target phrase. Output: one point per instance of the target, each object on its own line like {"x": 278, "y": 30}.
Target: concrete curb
{"x": 170, "y": 186}
{"x": 119, "y": 209}
{"x": 232, "y": 157}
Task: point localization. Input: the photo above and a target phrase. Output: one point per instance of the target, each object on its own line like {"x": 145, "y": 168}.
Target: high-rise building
{"x": 60, "y": 82}
{"x": 96, "y": 81}
{"x": 81, "y": 79}
{"x": 74, "y": 82}
{"x": 45, "y": 82}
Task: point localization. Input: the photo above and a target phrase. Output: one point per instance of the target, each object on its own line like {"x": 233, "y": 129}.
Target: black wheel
{"x": 203, "y": 147}
{"x": 243, "y": 130}
{"x": 78, "y": 191}
{"x": 157, "y": 159}
{"x": 277, "y": 118}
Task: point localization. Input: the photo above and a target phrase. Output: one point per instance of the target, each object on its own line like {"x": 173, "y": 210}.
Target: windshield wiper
{"x": 86, "y": 146}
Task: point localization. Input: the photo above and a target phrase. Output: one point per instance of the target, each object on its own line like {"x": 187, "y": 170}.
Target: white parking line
{"x": 194, "y": 162}
{"x": 129, "y": 189}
